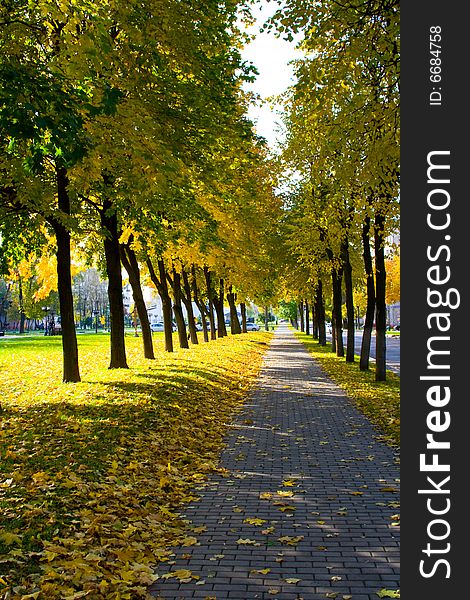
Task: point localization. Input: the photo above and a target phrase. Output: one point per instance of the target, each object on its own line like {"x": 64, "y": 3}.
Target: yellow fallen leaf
{"x": 260, "y": 571}
{"x": 265, "y": 495}
{"x": 267, "y": 531}
{"x": 285, "y": 493}
{"x": 288, "y": 508}
{"x": 178, "y": 574}
{"x": 289, "y": 482}
{"x": 254, "y": 521}
{"x": 290, "y": 540}
{"x": 189, "y": 541}
{"x": 77, "y": 595}
{"x": 292, "y": 580}
{"x": 10, "y": 538}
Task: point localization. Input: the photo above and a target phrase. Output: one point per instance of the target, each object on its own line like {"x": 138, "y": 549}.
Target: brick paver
{"x": 301, "y": 458}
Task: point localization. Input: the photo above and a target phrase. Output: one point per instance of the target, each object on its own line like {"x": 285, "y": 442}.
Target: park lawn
{"x": 93, "y": 474}
{"x": 379, "y": 401}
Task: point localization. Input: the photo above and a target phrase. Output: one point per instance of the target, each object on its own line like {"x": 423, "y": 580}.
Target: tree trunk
{"x": 175, "y": 282}
{"x": 234, "y": 322}
{"x": 370, "y": 286}
{"x": 301, "y": 313}
{"x": 210, "y": 298}
{"x": 321, "y": 315}
{"x": 129, "y": 260}
{"x": 243, "y": 312}
{"x": 199, "y": 304}
{"x": 109, "y": 224}
{"x": 159, "y": 281}
{"x": 380, "y": 292}
{"x": 336, "y": 279}
{"x": 307, "y": 318}
{"x": 295, "y": 321}
{"x": 218, "y": 301}
{"x": 266, "y": 318}
{"x": 186, "y": 297}
{"x": 71, "y": 371}
{"x": 348, "y": 285}
{"x": 21, "y": 304}
{"x": 314, "y": 310}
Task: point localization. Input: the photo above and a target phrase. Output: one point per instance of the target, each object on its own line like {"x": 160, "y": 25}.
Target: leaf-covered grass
{"x": 92, "y": 474}
{"x": 379, "y": 401}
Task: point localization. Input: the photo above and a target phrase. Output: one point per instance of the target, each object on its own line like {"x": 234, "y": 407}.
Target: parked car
{"x": 252, "y": 327}
{"x": 159, "y": 326}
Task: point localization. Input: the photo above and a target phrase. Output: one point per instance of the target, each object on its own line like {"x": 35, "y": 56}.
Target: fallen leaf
{"x": 254, "y": 521}
{"x": 290, "y": 540}
{"x": 247, "y": 542}
{"x": 288, "y": 508}
{"x": 383, "y": 593}
{"x": 189, "y": 541}
{"x": 267, "y": 531}
{"x": 285, "y": 493}
{"x": 260, "y": 571}
{"x": 10, "y": 538}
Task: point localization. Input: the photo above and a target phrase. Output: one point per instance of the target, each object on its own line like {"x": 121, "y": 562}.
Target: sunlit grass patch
{"x": 379, "y": 401}
{"x": 93, "y": 474}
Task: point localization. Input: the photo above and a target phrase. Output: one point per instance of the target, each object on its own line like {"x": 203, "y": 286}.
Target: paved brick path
{"x": 298, "y": 433}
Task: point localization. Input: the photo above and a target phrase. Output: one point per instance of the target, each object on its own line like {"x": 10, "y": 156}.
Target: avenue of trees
{"x": 124, "y": 144}
{"x": 342, "y": 123}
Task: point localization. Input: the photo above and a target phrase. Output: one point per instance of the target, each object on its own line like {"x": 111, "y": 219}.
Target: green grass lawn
{"x": 379, "y": 401}
{"x": 92, "y": 474}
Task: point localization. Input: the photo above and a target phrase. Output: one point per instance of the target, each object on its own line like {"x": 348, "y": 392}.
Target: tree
{"x": 343, "y": 127}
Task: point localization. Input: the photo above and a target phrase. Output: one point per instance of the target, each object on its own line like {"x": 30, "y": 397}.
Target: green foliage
{"x": 288, "y": 310}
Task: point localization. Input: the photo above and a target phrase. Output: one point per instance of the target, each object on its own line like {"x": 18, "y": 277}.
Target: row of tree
{"x": 125, "y": 142}
{"x": 342, "y": 124}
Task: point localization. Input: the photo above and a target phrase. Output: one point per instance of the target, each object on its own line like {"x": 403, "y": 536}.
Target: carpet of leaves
{"x": 92, "y": 474}
{"x": 379, "y": 401}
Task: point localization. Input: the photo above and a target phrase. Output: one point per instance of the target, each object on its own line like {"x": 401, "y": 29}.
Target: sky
{"x": 271, "y": 57}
